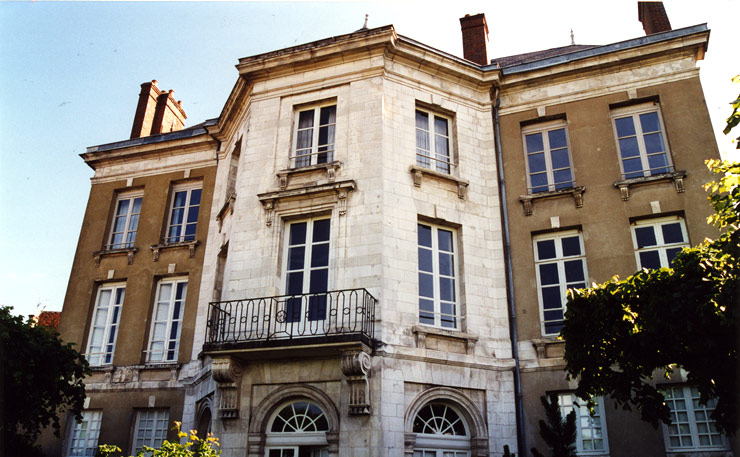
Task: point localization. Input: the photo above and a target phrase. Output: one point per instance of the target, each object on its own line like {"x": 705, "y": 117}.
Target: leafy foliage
{"x": 618, "y": 333}
{"x": 734, "y": 119}
{"x": 559, "y": 434}
{"x": 194, "y": 447}
{"x": 41, "y": 377}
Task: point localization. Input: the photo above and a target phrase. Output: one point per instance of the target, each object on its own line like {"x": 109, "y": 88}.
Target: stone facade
{"x": 348, "y": 289}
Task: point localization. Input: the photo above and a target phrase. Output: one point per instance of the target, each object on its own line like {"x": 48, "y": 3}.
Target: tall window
{"x": 657, "y": 241}
{"x": 560, "y": 264}
{"x": 437, "y": 273}
{"x": 433, "y": 141}
{"x": 167, "y": 320}
{"x": 441, "y": 432}
{"x": 313, "y": 141}
{"x": 307, "y": 269}
{"x": 691, "y": 425}
{"x": 83, "y": 435}
{"x": 548, "y": 158}
{"x": 151, "y": 428}
{"x": 297, "y": 430}
{"x": 590, "y": 430}
{"x": 125, "y": 221}
{"x": 641, "y": 141}
{"x": 104, "y": 329}
{"x": 184, "y": 213}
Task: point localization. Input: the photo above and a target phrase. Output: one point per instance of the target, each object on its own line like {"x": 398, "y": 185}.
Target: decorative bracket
{"x": 528, "y": 200}
{"x": 356, "y": 367}
{"x": 227, "y": 373}
{"x": 418, "y": 172}
{"x": 97, "y": 255}
{"x": 156, "y": 248}
{"x": 676, "y": 176}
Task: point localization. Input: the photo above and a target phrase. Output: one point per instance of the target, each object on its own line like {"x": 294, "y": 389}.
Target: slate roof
{"x": 518, "y": 59}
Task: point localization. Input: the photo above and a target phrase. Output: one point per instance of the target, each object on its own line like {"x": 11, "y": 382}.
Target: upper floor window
{"x": 560, "y": 264}
{"x": 313, "y": 139}
{"x": 104, "y": 329}
{"x": 657, "y": 241}
{"x": 438, "y": 302}
{"x": 307, "y": 270}
{"x": 125, "y": 221}
{"x": 590, "y": 429}
{"x": 643, "y": 148}
{"x": 83, "y": 435}
{"x": 548, "y": 158}
{"x": 164, "y": 341}
{"x": 184, "y": 213}
{"x": 433, "y": 141}
{"x": 151, "y": 428}
{"x": 691, "y": 426}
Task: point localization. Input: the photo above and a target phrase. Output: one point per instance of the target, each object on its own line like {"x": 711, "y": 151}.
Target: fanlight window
{"x": 439, "y": 419}
{"x": 300, "y": 417}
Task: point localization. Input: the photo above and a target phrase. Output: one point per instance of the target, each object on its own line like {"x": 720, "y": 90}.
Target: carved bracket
{"x": 676, "y": 176}
{"x": 356, "y": 367}
{"x": 227, "y": 374}
{"x": 156, "y": 248}
{"x": 418, "y": 172}
{"x": 97, "y": 255}
{"x": 528, "y": 200}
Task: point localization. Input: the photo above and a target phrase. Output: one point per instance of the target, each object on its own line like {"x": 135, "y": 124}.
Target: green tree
{"x": 618, "y": 333}
{"x": 41, "y": 376}
{"x": 193, "y": 447}
{"x": 559, "y": 434}
{"x": 734, "y": 118}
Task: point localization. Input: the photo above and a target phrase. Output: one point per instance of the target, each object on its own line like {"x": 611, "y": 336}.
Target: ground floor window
{"x": 83, "y": 436}
{"x": 297, "y": 429}
{"x": 692, "y": 427}
{"x": 151, "y": 428}
{"x": 441, "y": 432}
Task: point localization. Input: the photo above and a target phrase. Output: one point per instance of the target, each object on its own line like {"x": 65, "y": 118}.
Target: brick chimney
{"x": 157, "y": 112}
{"x": 475, "y": 38}
{"x": 653, "y": 17}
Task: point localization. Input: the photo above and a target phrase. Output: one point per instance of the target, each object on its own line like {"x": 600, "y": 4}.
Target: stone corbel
{"x": 479, "y": 447}
{"x": 227, "y": 373}
{"x": 678, "y": 183}
{"x": 356, "y": 367}
{"x": 528, "y": 207}
{"x": 624, "y": 191}
{"x": 283, "y": 181}
{"x": 409, "y": 442}
{"x": 462, "y": 188}
{"x": 342, "y": 201}
{"x": 96, "y": 257}
{"x": 270, "y": 206}
{"x": 417, "y": 177}
{"x": 155, "y": 252}
{"x": 332, "y": 439}
{"x": 675, "y": 176}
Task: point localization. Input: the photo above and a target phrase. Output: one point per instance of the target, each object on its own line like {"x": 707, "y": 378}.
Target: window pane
{"x": 546, "y": 249}
{"x": 574, "y": 271}
{"x": 319, "y": 281}
{"x": 426, "y": 285}
{"x": 560, "y": 158}
{"x": 425, "y": 260}
{"x": 650, "y": 259}
{"x": 625, "y": 126}
{"x": 321, "y": 230}
{"x": 658, "y": 163}
{"x": 629, "y": 147}
{"x": 445, "y": 264}
{"x": 446, "y": 289}
{"x": 671, "y": 253}
{"x": 672, "y": 233}
{"x": 645, "y": 236}
{"x": 320, "y": 255}
{"x": 305, "y": 119}
{"x": 536, "y": 162}
{"x": 297, "y": 233}
{"x": 534, "y": 143}
{"x": 557, "y": 139}
{"x": 649, "y": 122}
{"x": 422, "y": 120}
{"x": 296, "y": 257}
{"x": 563, "y": 179}
{"x": 328, "y": 115}
{"x": 539, "y": 183}
{"x": 549, "y": 273}
{"x": 425, "y": 235}
{"x": 571, "y": 246}
{"x": 445, "y": 240}
{"x": 654, "y": 143}
{"x": 551, "y": 298}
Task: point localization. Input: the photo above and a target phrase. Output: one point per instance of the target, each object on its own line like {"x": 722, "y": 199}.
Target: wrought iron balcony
{"x": 335, "y": 316}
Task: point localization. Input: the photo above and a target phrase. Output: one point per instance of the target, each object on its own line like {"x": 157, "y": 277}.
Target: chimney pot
{"x": 653, "y": 17}
{"x": 155, "y": 110}
{"x": 475, "y": 38}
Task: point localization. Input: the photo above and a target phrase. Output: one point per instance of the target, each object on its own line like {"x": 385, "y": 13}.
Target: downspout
{"x": 520, "y": 435}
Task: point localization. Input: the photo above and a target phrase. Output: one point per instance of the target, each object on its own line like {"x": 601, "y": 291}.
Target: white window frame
{"x": 661, "y": 247}
{"x": 692, "y": 408}
{"x": 183, "y": 237}
{"x": 109, "y": 327}
{"x": 435, "y": 164}
{"x": 438, "y": 444}
{"x": 316, "y": 127}
{"x": 131, "y": 223}
{"x": 294, "y": 440}
{"x": 543, "y": 129}
{"x": 152, "y": 437}
{"x": 163, "y": 355}
{"x": 634, "y": 112}
{"x": 436, "y": 277}
{"x": 566, "y": 400}
{"x": 559, "y": 260}
{"x": 87, "y": 431}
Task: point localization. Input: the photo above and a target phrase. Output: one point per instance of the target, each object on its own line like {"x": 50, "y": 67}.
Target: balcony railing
{"x": 334, "y": 316}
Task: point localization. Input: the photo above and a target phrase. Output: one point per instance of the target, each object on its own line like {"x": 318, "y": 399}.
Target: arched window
{"x": 297, "y": 429}
{"x": 440, "y": 432}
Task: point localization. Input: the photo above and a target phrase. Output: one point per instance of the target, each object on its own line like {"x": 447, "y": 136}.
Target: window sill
{"x": 575, "y": 192}
{"x": 549, "y": 347}
{"x": 419, "y": 172}
{"x": 191, "y": 245}
{"x": 329, "y": 168}
{"x": 422, "y": 331}
{"x": 129, "y": 252}
{"x": 676, "y": 176}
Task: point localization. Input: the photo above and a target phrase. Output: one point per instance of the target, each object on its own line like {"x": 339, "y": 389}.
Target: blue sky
{"x": 70, "y": 75}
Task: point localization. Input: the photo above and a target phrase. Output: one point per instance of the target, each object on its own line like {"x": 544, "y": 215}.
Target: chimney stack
{"x": 157, "y": 112}
{"x": 653, "y": 17}
{"x": 475, "y": 38}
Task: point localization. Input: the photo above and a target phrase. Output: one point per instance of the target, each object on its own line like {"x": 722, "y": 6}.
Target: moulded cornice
{"x": 99, "y": 159}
